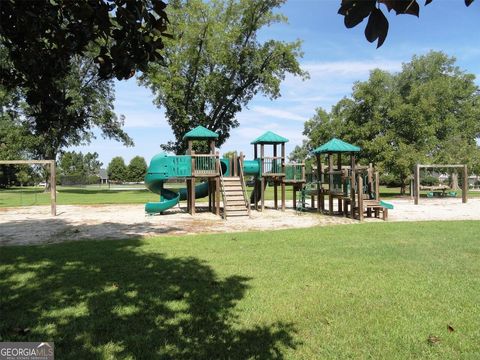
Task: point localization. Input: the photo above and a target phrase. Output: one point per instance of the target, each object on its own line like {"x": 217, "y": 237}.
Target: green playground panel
{"x": 293, "y": 172}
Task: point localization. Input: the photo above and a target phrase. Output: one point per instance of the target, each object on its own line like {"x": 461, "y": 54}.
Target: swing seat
{"x": 452, "y": 194}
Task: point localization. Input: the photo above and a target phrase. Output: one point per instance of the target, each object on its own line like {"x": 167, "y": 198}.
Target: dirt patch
{"x": 34, "y": 225}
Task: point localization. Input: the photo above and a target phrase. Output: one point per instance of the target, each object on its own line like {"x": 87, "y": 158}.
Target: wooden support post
{"x": 465, "y": 185}
{"x": 352, "y": 185}
{"x": 210, "y": 195}
{"x": 275, "y": 194}
{"x": 360, "y": 198}
{"x": 217, "y": 196}
{"x": 275, "y": 183}
{"x": 377, "y": 185}
{"x": 283, "y": 178}
{"x": 370, "y": 179}
{"x": 320, "y": 204}
{"x": 234, "y": 169}
{"x": 262, "y": 193}
{"x": 192, "y": 196}
{"x": 294, "y": 196}
{"x": 416, "y": 184}
{"x": 53, "y": 189}
{"x": 352, "y": 196}
{"x": 330, "y": 183}
{"x": 339, "y": 167}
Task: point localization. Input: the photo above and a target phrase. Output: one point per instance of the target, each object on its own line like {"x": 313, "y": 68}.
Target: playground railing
{"x": 272, "y": 165}
{"x": 204, "y": 164}
{"x": 222, "y": 187}
{"x": 242, "y": 180}
{"x": 295, "y": 171}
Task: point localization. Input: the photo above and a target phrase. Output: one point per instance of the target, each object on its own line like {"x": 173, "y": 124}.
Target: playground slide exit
{"x": 168, "y": 198}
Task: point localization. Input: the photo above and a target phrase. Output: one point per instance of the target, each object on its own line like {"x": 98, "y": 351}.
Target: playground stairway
{"x": 234, "y": 197}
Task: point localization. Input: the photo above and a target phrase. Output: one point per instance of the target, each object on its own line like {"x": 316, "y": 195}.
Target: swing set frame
{"x": 53, "y": 180}
{"x": 416, "y": 179}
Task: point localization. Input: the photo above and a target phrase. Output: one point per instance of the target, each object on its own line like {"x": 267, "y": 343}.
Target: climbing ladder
{"x": 234, "y": 197}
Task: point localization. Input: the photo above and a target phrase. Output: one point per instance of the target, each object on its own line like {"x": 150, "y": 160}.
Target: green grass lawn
{"x": 369, "y": 291}
{"x": 91, "y": 195}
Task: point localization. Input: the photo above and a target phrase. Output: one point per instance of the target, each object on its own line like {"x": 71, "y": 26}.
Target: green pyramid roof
{"x": 200, "y": 133}
{"x": 269, "y": 138}
{"x": 336, "y": 146}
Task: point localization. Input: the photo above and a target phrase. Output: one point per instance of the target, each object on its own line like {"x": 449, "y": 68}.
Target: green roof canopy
{"x": 269, "y": 138}
{"x": 336, "y": 146}
{"x": 200, "y": 133}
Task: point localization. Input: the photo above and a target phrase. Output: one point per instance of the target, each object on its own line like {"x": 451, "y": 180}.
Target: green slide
{"x": 168, "y": 198}
{"x": 386, "y": 205}
{"x": 162, "y": 168}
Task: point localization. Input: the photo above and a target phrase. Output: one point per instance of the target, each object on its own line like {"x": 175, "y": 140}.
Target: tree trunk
{"x": 454, "y": 181}
{"x": 403, "y": 186}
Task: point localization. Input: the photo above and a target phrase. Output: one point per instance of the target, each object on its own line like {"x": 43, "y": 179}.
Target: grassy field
{"x": 131, "y": 194}
{"x": 381, "y": 291}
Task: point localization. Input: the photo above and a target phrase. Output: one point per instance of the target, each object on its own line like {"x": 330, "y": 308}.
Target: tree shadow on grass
{"x": 116, "y": 299}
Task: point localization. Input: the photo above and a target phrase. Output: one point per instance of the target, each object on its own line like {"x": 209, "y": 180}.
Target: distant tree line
{"x": 135, "y": 171}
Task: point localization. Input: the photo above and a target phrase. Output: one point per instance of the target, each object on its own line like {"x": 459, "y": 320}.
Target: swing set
{"x": 440, "y": 190}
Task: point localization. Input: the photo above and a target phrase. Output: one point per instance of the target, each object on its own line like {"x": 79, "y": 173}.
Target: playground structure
{"x": 53, "y": 181}
{"x": 221, "y": 176}
{"x": 440, "y": 190}
{"x": 275, "y": 170}
{"x": 354, "y": 187}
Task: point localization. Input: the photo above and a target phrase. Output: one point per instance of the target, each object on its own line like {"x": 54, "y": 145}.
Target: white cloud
{"x": 279, "y": 113}
{"x": 145, "y": 119}
{"x": 349, "y": 68}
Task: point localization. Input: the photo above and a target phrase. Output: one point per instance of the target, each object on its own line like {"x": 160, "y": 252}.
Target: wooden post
{"x": 262, "y": 193}
{"x": 319, "y": 183}
{"x": 212, "y": 147}
{"x": 262, "y": 181}
{"x": 234, "y": 169}
{"x": 339, "y": 167}
{"x": 53, "y": 188}
{"x": 465, "y": 185}
{"x": 416, "y": 184}
{"x": 352, "y": 185}
{"x": 190, "y": 147}
{"x": 294, "y": 196}
{"x": 210, "y": 195}
{"x": 330, "y": 183}
{"x": 283, "y": 178}
{"x": 192, "y": 197}
{"x": 360, "y": 198}
{"x": 370, "y": 178}
{"x": 377, "y": 185}
{"x": 217, "y": 196}
{"x": 275, "y": 183}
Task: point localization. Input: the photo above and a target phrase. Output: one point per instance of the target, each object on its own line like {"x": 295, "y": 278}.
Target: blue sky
{"x": 334, "y": 56}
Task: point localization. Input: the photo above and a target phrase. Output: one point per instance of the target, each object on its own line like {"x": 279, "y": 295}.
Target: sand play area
{"x": 34, "y": 225}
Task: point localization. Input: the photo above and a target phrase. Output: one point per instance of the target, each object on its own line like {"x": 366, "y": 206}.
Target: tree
{"x": 58, "y": 55}
{"x": 82, "y": 101}
{"x": 355, "y": 11}
{"x": 230, "y": 154}
{"x": 117, "y": 171}
{"x": 78, "y": 168}
{"x": 43, "y": 36}
{"x": 216, "y": 64}
{"x": 427, "y": 113}
{"x": 137, "y": 169}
